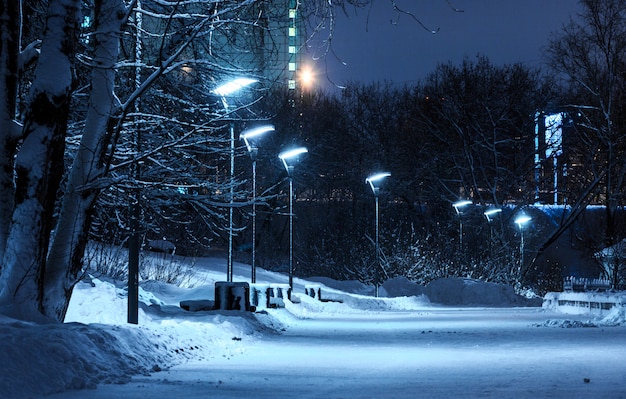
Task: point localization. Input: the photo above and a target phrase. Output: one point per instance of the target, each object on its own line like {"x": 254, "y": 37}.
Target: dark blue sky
{"x": 376, "y": 49}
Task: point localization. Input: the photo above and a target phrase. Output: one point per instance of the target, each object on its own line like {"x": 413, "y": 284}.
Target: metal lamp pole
{"x": 229, "y": 265}
{"x": 286, "y": 157}
{"x": 249, "y": 138}
{"x": 458, "y": 206}
{"x": 224, "y": 91}
{"x": 253, "y": 266}
{"x": 521, "y": 222}
{"x": 490, "y": 215}
{"x": 291, "y": 230}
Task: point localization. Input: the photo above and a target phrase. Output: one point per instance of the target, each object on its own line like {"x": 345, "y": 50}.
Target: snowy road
{"x": 486, "y": 353}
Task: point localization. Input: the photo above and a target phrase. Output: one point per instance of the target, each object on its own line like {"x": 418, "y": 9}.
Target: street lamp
{"x": 374, "y": 181}
{"x": 491, "y": 215}
{"x": 286, "y": 157}
{"x": 458, "y": 207}
{"x": 224, "y": 91}
{"x": 521, "y": 221}
{"x": 250, "y": 137}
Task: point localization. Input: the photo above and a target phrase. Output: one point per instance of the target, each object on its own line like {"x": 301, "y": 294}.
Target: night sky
{"x": 376, "y": 48}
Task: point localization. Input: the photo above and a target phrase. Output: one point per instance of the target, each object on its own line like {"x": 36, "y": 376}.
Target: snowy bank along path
{"x": 363, "y": 347}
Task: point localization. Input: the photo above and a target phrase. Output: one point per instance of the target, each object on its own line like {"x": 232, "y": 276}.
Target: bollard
{"x": 232, "y": 295}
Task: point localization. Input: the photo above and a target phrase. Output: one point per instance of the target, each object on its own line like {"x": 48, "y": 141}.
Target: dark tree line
{"x": 466, "y": 132}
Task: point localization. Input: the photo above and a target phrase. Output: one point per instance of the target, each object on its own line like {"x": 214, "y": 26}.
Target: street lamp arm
{"x": 460, "y": 204}
{"x": 285, "y": 156}
{"x": 375, "y": 178}
{"x": 292, "y": 153}
{"x": 232, "y": 86}
{"x": 248, "y": 134}
{"x": 522, "y": 220}
{"x": 490, "y": 214}
{"x": 249, "y": 138}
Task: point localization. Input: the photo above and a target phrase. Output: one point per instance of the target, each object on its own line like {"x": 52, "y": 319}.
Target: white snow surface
{"x": 453, "y": 338}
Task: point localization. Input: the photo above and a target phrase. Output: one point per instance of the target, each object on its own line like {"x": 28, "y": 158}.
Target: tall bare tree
{"x": 81, "y": 107}
{"x": 590, "y": 53}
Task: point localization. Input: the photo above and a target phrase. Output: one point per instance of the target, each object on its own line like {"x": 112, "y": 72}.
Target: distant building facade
{"x": 269, "y": 45}
{"x": 552, "y": 162}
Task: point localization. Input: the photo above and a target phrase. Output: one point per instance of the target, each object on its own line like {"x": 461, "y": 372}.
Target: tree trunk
{"x": 64, "y": 266}
{"x": 9, "y": 52}
{"x": 39, "y": 164}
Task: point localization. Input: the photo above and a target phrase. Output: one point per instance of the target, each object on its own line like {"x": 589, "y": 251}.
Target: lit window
{"x": 292, "y": 13}
{"x": 292, "y": 32}
{"x": 292, "y": 66}
{"x": 86, "y": 21}
{"x": 291, "y": 84}
{"x": 85, "y": 25}
{"x": 292, "y": 49}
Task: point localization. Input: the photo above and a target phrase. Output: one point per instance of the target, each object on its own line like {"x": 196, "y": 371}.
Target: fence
{"x": 598, "y": 303}
{"x": 579, "y": 284}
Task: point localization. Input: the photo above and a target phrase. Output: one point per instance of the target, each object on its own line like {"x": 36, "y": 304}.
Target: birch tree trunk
{"x": 64, "y": 264}
{"x": 39, "y": 164}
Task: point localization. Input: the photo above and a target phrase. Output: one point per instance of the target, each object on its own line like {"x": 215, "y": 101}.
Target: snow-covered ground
{"x": 399, "y": 347}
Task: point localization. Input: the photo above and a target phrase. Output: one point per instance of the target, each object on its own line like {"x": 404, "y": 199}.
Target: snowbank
{"x": 447, "y": 291}
{"x": 40, "y": 359}
{"x": 460, "y": 292}
{"x": 349, "y": 286}
{"x": 402, "y": 286}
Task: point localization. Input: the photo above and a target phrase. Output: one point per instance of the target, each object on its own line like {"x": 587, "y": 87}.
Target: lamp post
{"x": 286, "y": 157}
{"x": 458, "y": 207}
{"x": 491, "y": 215}
{"x": 521, "y": 221}
{"x": 250, "y": 137}
{"x": 225, "y": 90}
{"x": 374, "y": 181}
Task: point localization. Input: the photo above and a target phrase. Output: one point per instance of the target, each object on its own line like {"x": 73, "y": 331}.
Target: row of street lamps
{"x": 250, "y": 138}
{"x": 288, "y": 157}
{"x": 521, "y": 221}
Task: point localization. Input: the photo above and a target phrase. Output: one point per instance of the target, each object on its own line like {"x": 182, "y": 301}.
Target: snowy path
{"x": 487, "y": 353}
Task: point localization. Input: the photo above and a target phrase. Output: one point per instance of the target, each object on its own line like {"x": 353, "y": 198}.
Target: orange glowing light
{"x": 307, "y": 77}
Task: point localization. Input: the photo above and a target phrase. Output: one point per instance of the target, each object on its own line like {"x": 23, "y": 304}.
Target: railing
{"x": 265, "y": 296}
{"x": 579, "y": 284}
